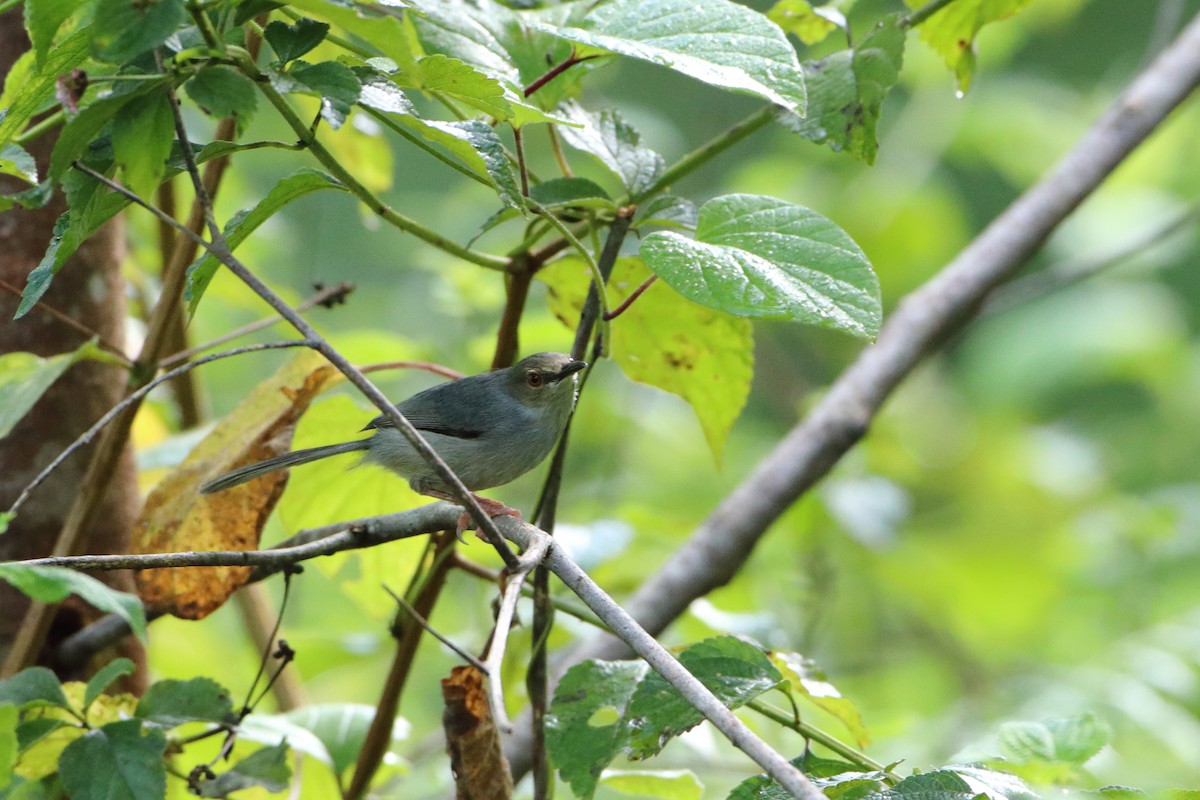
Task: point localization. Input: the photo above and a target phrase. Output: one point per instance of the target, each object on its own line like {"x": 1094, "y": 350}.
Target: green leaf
{"x": 805, "y": 678}
{"x": 77, "y": 134}
{"x": 24, "y": 95}
{"x": 951, "y": 32}
{"x": 34, "y": 730}
{"x": 52, "y": 584}
{"x": 615, "y": 144}
{"x": 454, "y": 29}
{"x": 585, "y": 726}
{"x": 170, "y": 703}
{"x": 473, "y": 143}
{"x": 122, "y": 29}
{"x": 732, "y": 669}
{"x": 341, "y": 728}
{"x": 1071, "y": 741}
{"x": 16, "y": 161}
{"x": 24, "y": 378}
{"x": 116, "y": 762}
{"x": 718, "y": 42}
{"x": 701, "y": 355}
{"x": 224, "y": 92}
{"x": 142, "y": 134}
{"x": 105, "y": 678}
{"x": 33, "y": 687}
{"x": 247, "y": 221}
{"x": 936, "y": 785}
{"x": 993, "y": 784}
{"x": 571, "y": 195}
{"x": 461, "y": 81}
{"x": 757, "y": 256}
{"x": 43, "y": 18}
{"x": 668, "y": 211}
{"x": 292, "y": 41}
{"x": 846, "y": 92}
{"x": 9, "y": 715}
{"x": 810, "y": 24}
{"x": 836, "y": 779}
{"x": 266, "y": 768}
{"x": 666, "y": 784}
{"x": 333, "y": 82}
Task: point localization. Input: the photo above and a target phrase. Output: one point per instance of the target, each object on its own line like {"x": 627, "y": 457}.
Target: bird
{"x": 489, "y": 428}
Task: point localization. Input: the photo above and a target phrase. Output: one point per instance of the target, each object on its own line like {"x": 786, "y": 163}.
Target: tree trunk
{"x": 90, "y": 290}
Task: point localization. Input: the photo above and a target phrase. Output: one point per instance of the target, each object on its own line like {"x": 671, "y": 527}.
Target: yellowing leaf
{"x": 177, "y": 518}
{"x": 806, "y": 680}
{"x": 951, "y": 32}
{"x": 703, "y": 355}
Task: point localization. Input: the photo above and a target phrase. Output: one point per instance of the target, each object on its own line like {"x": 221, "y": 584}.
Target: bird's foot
{"x": 493, "y": 508}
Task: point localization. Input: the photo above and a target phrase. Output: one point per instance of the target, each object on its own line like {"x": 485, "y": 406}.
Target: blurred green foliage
{"x": 1018, "y": 537}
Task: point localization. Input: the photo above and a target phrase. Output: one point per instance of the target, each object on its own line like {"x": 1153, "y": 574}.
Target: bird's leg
{"x": 493, "y": 508}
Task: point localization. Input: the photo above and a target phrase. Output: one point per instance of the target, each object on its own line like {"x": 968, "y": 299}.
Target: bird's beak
{"x": 570, "y": 369}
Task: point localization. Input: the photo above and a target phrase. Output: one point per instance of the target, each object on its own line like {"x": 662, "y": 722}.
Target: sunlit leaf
{"x": 9, "y": 715}
{"x": 718, "y": 42}
{"x": 806, "y": 680}
{"x": 16, "y": 161}
{"x": 24, "y": 378}
{"x": 952, "y": 31}
{"x": 25, "y": 94}
{"x": 667, "y": 784}
{"x": 810, "y": 24}
{"x": 177, "y": 518}
{"x": 704, "y": 356}
{"x": 43, "y": 18}
{"x": 757, "y": 256}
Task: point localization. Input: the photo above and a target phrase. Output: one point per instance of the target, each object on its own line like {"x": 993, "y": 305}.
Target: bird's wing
{"x": 436, "y": 411}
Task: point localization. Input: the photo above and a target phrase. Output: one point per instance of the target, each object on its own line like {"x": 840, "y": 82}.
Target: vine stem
{"x": 386, "y": 212}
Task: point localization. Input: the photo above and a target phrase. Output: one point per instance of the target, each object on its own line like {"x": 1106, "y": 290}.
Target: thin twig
{"x": 424, "y": 623}
{"x": 628, "y": 301}
{"x": 428, "y": 366}
{"x": 855, "y": 757}
{"x": 348, "y": 536}
{"x": 555, "y": 71}
{"x": 532, "y": 556}
{"x": 135, "y": 397}
{"x": 326, "y": 296}
{"x": 923, "y": 13}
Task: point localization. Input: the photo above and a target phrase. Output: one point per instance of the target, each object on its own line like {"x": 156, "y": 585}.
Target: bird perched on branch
{"x": 489, "y": 428}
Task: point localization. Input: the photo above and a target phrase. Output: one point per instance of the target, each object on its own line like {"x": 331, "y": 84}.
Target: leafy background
{"x": 1018, "y": 537}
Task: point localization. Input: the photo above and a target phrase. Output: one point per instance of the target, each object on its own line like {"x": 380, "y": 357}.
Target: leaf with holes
{"x": 585, "y": 725}
{"x": 756, "y": 256}
{"x": 733, "y": 669}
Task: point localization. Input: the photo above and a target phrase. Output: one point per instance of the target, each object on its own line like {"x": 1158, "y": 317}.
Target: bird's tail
{"x": 251, "y": 471}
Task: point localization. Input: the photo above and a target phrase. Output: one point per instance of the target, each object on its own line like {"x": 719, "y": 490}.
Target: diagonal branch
{"x": 922, "y": 320}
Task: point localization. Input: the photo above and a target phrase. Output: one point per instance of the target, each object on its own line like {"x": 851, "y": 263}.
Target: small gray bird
{"x": 489, "y": 428}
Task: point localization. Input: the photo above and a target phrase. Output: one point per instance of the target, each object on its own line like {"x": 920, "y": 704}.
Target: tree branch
{"x": 720, "y": 546}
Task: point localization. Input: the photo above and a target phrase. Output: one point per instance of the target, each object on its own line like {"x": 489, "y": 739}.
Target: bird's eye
{"x": 534, "y": 378}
